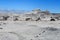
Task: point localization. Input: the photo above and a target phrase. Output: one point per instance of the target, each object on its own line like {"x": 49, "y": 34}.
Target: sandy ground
{"x": 29, "y": 30}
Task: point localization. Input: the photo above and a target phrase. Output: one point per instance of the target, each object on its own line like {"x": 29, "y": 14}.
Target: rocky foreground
{"x": 29, "y": 30}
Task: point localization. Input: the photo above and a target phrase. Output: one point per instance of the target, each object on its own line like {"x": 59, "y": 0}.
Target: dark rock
{"x": 43, "y": 31}
{"x": 40, "y": 34}
{"x": 1, "y": 28}
{"x": 37, "y": 36}
{"x": 0, "y": 24}
{"x": 31, "y": 39}
{"x": 51, "y": 29}
{"x": 52, "y": 19}
{"x": 4, "y": 23}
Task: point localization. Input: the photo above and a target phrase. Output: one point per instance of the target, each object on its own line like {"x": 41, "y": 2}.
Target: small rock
{"x": 43, "y": 31}
{"x": 4, "y": 23}
{"x": 31, "y": 39}
{"x": 0, "y": 24}
{"x": 37, "y": 36}
{"x": 1, "y": 28}
{"x": 40, "y": 34}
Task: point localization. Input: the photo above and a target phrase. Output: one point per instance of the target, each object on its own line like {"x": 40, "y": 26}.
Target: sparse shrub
{"x": 5, "y": 18}
{"x": 28, "y": 19}
{"x": 38, "y": 19}
{"x": 52, "y": 19}
{"x": 16, "y": 19}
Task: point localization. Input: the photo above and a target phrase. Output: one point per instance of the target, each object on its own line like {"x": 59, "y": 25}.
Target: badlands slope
{"x": 29, "y": 30}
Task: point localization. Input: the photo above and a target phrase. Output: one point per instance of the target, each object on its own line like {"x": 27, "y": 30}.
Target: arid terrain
{"x": 30, "y": 30}
{"x": 33, "y": 25}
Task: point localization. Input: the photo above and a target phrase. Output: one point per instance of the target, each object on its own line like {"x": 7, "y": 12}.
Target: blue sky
{"x": 51, "y": 5}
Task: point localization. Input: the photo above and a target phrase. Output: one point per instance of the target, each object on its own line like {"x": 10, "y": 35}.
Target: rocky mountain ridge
{"x": 31, "y": 15}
